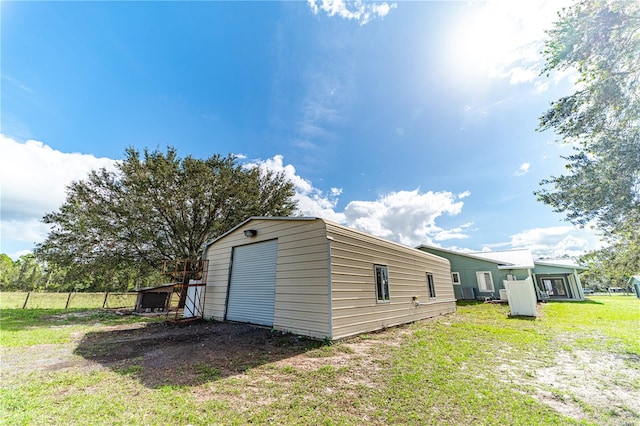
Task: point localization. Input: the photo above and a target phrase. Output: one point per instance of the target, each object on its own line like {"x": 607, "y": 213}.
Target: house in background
{"x": 634, "y": 282}
{"x": 559, "y": 278}
{"x": 316, "y": 278}
{"x": 481, "y": 275}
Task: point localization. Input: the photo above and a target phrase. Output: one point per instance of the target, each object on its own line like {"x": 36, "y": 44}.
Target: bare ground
{"x": 174, "y": 354}
{"x": 602, "y": 379}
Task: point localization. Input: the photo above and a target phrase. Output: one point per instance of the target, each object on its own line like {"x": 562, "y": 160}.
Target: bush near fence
{"x": 42, "y": 300}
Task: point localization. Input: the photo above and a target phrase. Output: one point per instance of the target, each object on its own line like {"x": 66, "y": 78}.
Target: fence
{"x": 41, "y": 300}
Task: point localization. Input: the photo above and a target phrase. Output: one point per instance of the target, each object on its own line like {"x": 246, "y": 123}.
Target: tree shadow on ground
{"x": 174, "y": 354}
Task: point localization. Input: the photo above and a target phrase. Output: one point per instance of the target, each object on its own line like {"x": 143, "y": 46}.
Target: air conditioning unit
{"x": 503, "y": 295}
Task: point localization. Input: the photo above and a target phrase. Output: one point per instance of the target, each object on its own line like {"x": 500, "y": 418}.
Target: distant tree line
{"x": 27, "y": 273}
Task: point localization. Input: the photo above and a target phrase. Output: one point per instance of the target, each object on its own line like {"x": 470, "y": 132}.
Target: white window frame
{"x": 431, "y": 285}
{"x": 381, "y": 277}
{"x": 455, "y": 278}
{"x": 484, "y": 285}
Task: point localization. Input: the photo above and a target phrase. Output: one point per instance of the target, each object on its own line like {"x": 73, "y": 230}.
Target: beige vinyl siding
{"x": 301, "y": 299}
{"x": 353, "y": 300}
{"x": 303, "y": 303}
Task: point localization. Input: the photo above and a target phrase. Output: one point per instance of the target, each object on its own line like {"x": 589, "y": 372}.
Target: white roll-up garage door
{"x": 252, "y": 287}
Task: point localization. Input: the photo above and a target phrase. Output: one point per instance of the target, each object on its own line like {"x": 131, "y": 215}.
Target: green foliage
{"x": 6, "y": 270}
{"x": 25, "y": 274}
{"x": 31, "y": 274}
{"x": 601, "y": 41}
{"x": 614, "y": 264}
{"x": 117, "y": 227}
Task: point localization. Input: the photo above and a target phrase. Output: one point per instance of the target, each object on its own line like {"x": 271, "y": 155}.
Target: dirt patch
{"x": 192, "y": 354}
{"x": 590, "y": 385}
{"x": 48, "y": 357}
{"x": 161, "y": 353}
{"x": 582, "y": 379}
{"x": 177, "y": 354}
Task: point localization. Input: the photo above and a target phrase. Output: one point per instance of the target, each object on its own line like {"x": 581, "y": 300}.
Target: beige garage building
{"x": 316, "y": 278}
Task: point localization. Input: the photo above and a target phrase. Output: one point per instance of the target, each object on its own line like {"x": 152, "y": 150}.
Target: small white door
{"x": 252, "y": 287}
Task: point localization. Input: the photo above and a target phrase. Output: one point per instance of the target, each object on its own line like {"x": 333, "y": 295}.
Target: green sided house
{"x": 634, "y": 282}
{"x": 316, "y": 278}
{"x": 559, "y": 279}
{"x": 481, "y": 275}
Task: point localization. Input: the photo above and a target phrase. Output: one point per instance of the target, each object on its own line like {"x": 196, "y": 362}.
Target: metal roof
{"x": 563, "y": 263}
{"x": 155, "y": 287}
{"x": 509, "y": 259}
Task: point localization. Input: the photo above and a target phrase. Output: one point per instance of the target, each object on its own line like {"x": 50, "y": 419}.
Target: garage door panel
{"x": 253, "y": 282}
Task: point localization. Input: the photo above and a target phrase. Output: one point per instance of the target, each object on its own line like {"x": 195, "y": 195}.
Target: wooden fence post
{"x": 24, "y": 306}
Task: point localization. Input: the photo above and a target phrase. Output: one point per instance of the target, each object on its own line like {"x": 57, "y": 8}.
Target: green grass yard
{"x": 46, "y": 300}
{"x": 578, "y": 363}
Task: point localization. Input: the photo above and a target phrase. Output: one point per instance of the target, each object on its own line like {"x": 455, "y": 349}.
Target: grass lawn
{"x": 578, "y": 363}
{"x": 47, "y": 300}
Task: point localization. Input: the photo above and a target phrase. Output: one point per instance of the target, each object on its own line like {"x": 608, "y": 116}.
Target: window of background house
{"x": 431, "y": 285}
{"x": 485, "y": 281}
{"x": 382, "y": 283}
{"x": 455, "y": 277}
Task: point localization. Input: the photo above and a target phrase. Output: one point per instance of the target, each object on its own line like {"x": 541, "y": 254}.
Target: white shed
{"x": 316, "y": 278}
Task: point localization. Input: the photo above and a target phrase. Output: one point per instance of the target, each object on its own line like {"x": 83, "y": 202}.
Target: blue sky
{"x": 414, "y": 121}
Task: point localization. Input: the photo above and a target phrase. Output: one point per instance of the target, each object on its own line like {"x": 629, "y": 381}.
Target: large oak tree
{"x": 157, "y": 206}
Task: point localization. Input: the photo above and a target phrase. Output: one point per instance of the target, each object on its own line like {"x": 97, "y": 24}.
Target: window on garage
{"x": 431, "y": 286}
{"x": 382, "y": 283}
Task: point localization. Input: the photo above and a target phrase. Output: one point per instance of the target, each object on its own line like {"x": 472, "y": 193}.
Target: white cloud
{"x": 523, "y": 170}
{"x": 34, "y": 176}
{"x": 557, "y": 241}
{"x": 311, "y": 201}
{"x": 359, "y": 11}
{"x": 407, "y": 217}
{"x": 523, "y": 75}
{"x": 458, "y": 233}
{"x": 33, "y": 182}
{"x": 26, "y": 230}
{"x": 541, "y": 86}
